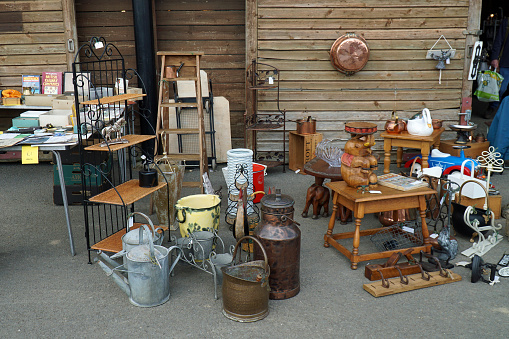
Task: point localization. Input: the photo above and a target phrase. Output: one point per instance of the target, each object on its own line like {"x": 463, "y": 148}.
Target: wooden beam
{"x": 251, "y": 54}
{"x": 70, "y": 32}
{"x": 474, "y": 22}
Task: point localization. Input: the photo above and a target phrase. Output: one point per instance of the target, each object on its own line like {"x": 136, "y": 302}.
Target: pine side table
{"x": 404, "y": 139}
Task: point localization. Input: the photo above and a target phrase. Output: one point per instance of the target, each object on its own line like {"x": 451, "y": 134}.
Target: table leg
{"x": 387, "y": 153}
{"x": 332, "y": 219}
{"x": 64, "y": 199}
{"x": 425, "y": 153}
{"x": 356, "y": 242}
{"x": 422, "y": 213}
{"x": 399, "y": 156}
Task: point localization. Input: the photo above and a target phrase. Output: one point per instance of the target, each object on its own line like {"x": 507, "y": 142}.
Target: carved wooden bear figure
{"x": 319, "y": 196}
{"x": 358, "y": 162}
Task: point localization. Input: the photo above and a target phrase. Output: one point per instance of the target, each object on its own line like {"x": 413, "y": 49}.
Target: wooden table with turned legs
{"x": 404, "y": 139}
{"x": 364, "y": 203}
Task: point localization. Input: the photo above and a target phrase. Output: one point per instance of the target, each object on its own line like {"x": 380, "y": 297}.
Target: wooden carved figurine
{"x": 358, "y": 161}
{"x": 319, "y": 196}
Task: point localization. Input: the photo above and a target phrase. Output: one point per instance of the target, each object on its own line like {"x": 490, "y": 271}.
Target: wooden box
{"x": 302, "y": 149}
{"x": 11, "y": 101}
{"x": 473, "y": 152}
{"x": 495, "y": 203}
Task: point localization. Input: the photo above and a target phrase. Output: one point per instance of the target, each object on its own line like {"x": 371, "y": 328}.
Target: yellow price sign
{"x": 29, "y": 155}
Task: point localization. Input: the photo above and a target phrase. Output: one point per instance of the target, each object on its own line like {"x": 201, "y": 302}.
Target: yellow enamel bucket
{"x": 198, "y": 212}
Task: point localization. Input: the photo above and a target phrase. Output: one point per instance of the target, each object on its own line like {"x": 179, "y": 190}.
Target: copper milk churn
{"x": 280, "y": 237}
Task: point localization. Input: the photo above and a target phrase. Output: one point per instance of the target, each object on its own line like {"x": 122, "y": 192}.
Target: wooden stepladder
{"x": 171, "y": 134}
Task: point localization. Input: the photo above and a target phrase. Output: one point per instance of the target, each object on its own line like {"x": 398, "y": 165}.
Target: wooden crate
{"x": 495, "y": 202}
{"x": 475, "y": 150}
{"x": 302, "y": 149}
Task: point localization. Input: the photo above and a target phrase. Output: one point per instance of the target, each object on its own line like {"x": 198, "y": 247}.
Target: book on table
{"x": 400, "y": 182}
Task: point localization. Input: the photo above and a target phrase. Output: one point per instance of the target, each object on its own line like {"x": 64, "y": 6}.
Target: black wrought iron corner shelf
{"x": 264, "y": 77}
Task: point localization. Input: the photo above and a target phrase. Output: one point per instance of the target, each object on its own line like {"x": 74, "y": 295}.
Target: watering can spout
{"x": 124, "y": 286}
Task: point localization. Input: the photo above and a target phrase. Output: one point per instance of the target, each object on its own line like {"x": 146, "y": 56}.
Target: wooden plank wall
{"x": 32, "y": 40}
{"x": 112, "y": 20}
{"x": 217, "y": 29}
{"x": 214, "y": 27}
{"x": 295, "y": 36}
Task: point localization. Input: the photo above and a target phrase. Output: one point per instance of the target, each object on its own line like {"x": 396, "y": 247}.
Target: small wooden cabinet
{"x": 302, "y": 149}
{"x": 475, "y": 150}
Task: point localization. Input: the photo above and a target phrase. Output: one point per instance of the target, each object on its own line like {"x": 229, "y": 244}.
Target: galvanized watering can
{"x": 148, "y": 272}
{"x": 246, "y": 287}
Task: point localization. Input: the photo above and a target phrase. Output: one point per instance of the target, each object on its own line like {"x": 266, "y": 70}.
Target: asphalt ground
{"x": 47, "y": 293}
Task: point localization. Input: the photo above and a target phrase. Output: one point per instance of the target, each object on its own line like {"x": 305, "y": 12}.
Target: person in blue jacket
{"x": 501, "y": 66}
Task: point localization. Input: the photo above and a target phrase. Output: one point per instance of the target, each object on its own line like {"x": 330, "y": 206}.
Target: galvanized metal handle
{"x": 146, "y": 218}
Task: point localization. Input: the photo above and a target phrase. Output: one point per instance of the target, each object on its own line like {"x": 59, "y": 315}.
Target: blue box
{"x": 25, "y": 122}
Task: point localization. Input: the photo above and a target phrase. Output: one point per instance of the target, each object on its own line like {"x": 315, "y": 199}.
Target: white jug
{"x": 421, "y": 126}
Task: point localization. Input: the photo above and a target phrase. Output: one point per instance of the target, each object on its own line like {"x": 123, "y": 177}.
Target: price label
{"x": 29, "y": 155}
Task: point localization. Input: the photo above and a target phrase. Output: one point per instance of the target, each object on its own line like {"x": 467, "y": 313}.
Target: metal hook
{"x": 403, "y": 278}
{"x": 385, "y": 282}
{"x": 424, "y": 275}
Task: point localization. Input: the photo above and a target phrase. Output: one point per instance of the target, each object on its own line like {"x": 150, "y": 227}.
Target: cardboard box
{"x": 56, "y": 117}
{"x": 39, "y": 100}
{"x": 63, "y": 102}
{"x": 495, "y": 203}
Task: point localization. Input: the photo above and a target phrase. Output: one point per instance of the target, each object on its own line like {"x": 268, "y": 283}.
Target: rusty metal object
{"x": 245, "y": 287}
{"x": 281, "y": 238}
{"x": 437, "y": 123}
{"x": 349, "y": 53}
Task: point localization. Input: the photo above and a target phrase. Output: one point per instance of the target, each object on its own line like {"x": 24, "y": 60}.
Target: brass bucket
{"x": 246, "y": 288}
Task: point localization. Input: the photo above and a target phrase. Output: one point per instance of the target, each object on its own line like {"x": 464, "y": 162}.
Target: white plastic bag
{"x": 488, "y": 86}
{"x": 470, "y": 190}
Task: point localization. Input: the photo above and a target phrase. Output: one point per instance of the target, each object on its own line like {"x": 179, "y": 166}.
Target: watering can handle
{"x": 146, "y": 218}
{"x": 151, "y": 240}
{"x": 178, "y": 257}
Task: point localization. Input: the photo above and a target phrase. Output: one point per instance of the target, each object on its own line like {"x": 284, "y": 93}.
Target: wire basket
{"x": 401, "y": 235}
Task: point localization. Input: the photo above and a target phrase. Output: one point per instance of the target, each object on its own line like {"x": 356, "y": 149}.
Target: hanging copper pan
{"x": 349, "y": 53}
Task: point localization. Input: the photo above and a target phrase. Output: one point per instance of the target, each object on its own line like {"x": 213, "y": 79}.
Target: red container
{"x": 258, "y": 180}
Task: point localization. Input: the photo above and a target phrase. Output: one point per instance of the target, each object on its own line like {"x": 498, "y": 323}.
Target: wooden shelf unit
{"x": 113, "y": 99}
{"x": 125, "y": 194}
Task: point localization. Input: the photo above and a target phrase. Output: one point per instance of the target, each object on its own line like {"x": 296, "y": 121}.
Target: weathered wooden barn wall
{"x": 295, "y": 36}
{"x": 112, "y": 20}
{"x": 213, "y": 27}
{"x": 32, "y": 40}
{"x": 217, "y": 29}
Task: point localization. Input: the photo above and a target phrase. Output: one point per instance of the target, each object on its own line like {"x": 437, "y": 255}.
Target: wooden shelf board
{"x": 182, "y": 79}
{"x": 132, "y": 138}
{"x": 113, "y": 99}
{"x": 263, "y": 126}
{"x": 130, "y": 192}
{"x": 175, "y": 53}
{"x": 191, "y": 184}
{"x": 180, "y": 104}
{"x": 269, "y": 163}
{"x": 179, "y": 131}
{"x": 113, "y": 243}
{"x": 181, "y": 156}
